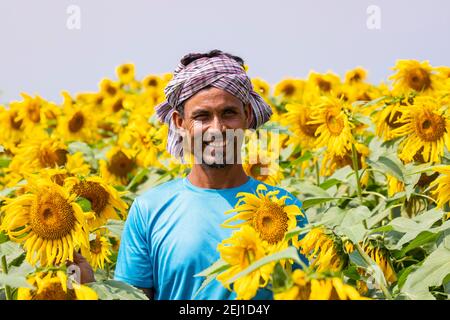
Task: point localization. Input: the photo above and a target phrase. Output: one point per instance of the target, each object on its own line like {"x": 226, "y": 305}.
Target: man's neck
{"x": 230, "y": 176}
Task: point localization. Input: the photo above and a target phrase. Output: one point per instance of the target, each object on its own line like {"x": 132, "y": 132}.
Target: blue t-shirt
{"x": 171, "y": 234}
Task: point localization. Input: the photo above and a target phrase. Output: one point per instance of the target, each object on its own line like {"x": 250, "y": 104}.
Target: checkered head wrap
{"x": 222, "y": 72}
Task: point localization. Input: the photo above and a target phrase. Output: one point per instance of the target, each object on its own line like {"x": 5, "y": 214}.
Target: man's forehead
{"x": 211, "y": 99}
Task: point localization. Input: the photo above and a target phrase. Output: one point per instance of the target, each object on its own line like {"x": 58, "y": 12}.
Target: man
{"x": 172, "y": 230}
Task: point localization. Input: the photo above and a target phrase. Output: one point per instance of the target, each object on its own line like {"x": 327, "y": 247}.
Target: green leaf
{"x": 218, "y": 266}
{"x": 308, "y": 203}
{"x": 14, "y": 281}
{"x": 307, "y": 156}
{"x": 352, "y": 225}
{"x": 329, "y": 183}
{"x": 11, "y": 250}
{"x": 306, "y": 188}
{"x": 332, "y": 217}
{"x": 116, "y": 290}
{"x": 413, "y": 227}
{"x": 205, "y": 282}
{"x": 4, "y": 163}
{"x": 289, "y": 253}
{"x": 84, "y": 203}
{"x": 115, "y": 227}
{"x": 423, "y": 238}
{"x": 281, "y": 281}
{"x": 137, "y": 178}
{"x": 432, "y": 273}
{"x": 390, "y": 165}
{"x": 403, "y": 275}
{"x": 3, "y": 237}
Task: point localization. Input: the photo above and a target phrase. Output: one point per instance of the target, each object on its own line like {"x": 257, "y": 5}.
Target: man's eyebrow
{"x": 199, "y": 111}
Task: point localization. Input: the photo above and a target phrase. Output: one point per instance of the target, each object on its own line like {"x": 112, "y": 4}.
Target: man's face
{"x": 208, "y": 115}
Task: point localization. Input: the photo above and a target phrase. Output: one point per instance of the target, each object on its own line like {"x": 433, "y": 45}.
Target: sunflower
{"x": 321, "y": 247}
{"x": 240, "y": 251}
{"x": 323, "y": 83}
{"x": 261, "y": 87}
{"x": 108, "y": 88}
{"x": 426, "y": 131}
{"x": 39, "y": 152}
{"x": 319, "y": 288}
{"x": 125, "y": 73}
{"x": 331, "y": 162}
{"x": 441, "y": 186}
{"x": 146, "y": 140}
{"x": 99, "y": 251}
{"x": 387, "y": 119}
{"x": 356, "y": 75}
{"x": 12, "y": 126}
{"x": 268, "y": 214}
{"x": 263, "y": 166}
{"x": 413, "y": 75}
{"x": 104, "y": 199}
{"x": 76, "y": 123}
{"x": 119, "y": 166}
{"x": 334, "y": 130}
{"x": 379, "y": 255}
{"x": 289, "y": 89}
{"x": 297, "y": 118}
{"x": 394, "y": 185}
{"x": 53, "y": 286}
{"x": 153, "y": 83}
{"x": 47, "y": 220}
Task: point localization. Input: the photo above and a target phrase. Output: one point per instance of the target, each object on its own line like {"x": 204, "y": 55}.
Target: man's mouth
{"x": 216, "y": 144}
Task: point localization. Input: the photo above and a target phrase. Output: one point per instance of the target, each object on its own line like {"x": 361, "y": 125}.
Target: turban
{"x": 221, "y": 72}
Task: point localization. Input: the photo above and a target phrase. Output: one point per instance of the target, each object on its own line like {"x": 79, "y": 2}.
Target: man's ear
{"x": 178, "y": 120}
{"x": 248, "y": 114}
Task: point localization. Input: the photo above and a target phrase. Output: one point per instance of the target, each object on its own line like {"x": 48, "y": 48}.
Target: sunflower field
{"x": 369, "y": 162}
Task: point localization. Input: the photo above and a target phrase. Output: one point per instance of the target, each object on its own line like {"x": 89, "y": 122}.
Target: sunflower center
{"x": 324, "y": 85}
{"x": 77, "y": 122}
{"x": 125, "y": 70}
{"x": 430, "y": 126}
{"x": 418, "y": 79}
{"x": 118, "y": 105}
{"x": 111, "y": 90}
{"x": 120, "y": 164}
{"x": 54, "y": 291}
{"x": 152, "y": 83}
{"x": 50, "y": 158}
{"x": 259, "y": 170}
{"x": 15, "y": 124}
{"x": 95, "y": 193}
{"x": 52, "y": 217}
{"x": 356, "y": 77}
{"x": 96, "y": 246}
{"x": 334, "y": 123}
{"x": 271, "y": 222}
{"x": 33, "y": 113}
{"x": 308, "y": 129}
{"x": 288, "y": 90}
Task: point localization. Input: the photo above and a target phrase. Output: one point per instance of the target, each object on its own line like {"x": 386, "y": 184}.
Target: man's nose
{"x": 217, "y": 124}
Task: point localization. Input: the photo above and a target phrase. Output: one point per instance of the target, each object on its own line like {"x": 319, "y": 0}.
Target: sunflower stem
{"x": 5, "y": 271}
{"x": 369, "y": 261}
{"x": 316, "y": 165}
{"x": 356, "y": 169}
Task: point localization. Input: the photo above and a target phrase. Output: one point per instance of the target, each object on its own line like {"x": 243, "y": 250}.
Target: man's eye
{"x": 230, "y": 112}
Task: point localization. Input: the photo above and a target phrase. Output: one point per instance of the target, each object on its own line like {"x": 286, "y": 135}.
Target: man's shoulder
{"x": 161, "y": 191}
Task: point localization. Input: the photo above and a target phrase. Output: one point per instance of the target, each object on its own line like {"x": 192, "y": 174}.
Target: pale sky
{"x": 40, "y": 55}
